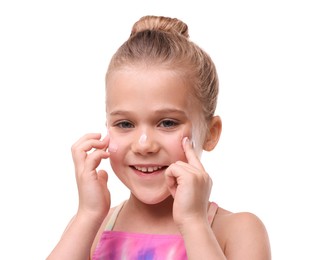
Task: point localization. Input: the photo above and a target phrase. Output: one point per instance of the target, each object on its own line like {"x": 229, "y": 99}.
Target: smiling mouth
{"x": 149, "y": 169}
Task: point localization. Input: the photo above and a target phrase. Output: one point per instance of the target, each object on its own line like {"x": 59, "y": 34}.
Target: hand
{"x": 190, "y": 187}
{"x": 94, "y": 196}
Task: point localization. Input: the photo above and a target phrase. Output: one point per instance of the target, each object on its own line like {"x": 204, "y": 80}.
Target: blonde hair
{"x": 164, "y": 41}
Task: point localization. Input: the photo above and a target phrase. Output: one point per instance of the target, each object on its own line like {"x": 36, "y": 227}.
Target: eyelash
{"x": 122, "y": 124}
{"x": 163, "y": 123}
{"x": 173, "y": 123}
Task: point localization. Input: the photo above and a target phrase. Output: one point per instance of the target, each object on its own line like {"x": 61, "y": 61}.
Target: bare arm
{"x": 201, "y": 242}
{"x": 94, "y": 199}
{"x": 247, "y": 238}
{"x": 240, "y": 236}
{"x": 244, "y": 235}
{"x": 191, "y": 186}
{"x": 77, "y": 239}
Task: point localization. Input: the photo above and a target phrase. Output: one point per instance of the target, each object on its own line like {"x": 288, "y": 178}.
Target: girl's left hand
{"x": 190, "y": 187}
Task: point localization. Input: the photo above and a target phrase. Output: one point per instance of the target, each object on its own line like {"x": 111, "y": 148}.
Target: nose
{"x": 145, "y": 143}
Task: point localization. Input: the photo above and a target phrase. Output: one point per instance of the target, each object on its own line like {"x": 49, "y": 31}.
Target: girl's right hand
{"x": 94, "y": 196}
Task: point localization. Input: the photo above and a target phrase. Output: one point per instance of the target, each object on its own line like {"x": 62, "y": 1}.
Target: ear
{"x": 213, "y": 133}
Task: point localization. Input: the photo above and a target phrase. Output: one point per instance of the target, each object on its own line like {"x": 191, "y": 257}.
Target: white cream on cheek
{"x": 173, "y": 142}
{"x": 195, "y": 137}
{"x": 198, "y": 136}
{"x": 113, "y": 146}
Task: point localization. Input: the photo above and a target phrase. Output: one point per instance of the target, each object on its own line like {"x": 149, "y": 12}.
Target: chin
{"x": 151, "y": 198}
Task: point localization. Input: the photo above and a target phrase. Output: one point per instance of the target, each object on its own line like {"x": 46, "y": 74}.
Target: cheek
{"x": 116, "y": 143}
{"x": 116, "y": 148}
{"x": 117, "y": 153}
{"x": 174, "y": 144}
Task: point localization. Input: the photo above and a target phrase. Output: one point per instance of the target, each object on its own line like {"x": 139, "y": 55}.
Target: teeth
{"x": 148, "y": 169}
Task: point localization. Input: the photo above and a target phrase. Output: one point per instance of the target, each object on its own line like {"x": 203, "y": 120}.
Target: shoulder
{"x": 241, "y": 235}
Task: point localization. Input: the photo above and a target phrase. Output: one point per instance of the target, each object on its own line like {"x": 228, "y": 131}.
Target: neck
{"x": 148, "y": 218}
{"x": 159, "y": 210}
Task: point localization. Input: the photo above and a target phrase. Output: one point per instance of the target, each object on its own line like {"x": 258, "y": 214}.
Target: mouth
{"x": 148, "y": 169}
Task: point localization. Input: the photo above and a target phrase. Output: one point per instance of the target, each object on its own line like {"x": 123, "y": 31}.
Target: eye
{"x": 168, "y": 123}
{"x": 124, "y": 124}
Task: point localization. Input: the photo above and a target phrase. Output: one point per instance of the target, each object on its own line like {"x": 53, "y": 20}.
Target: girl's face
{"x": 149, "y": 112}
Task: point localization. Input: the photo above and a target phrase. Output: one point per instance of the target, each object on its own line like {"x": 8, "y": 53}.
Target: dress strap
{"x": 111, "y": 222}
{"x": 213, "y": 207}
{"x": 212, "y": 210}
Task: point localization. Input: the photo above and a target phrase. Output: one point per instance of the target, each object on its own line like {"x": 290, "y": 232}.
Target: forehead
{"x": 142, "y": 85}
{"x": 145, "y": 74}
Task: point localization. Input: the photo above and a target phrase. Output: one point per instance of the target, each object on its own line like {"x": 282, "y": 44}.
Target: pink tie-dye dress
{"x": 116, "y": 245}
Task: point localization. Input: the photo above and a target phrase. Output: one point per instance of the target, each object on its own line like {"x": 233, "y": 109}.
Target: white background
{"x": 53, "y": 57}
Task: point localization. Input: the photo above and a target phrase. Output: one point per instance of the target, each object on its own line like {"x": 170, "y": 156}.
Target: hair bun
{"x": 160, "y": 23}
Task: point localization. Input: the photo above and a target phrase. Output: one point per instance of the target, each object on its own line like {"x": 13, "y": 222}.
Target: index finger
{"x": 190, "y": 153}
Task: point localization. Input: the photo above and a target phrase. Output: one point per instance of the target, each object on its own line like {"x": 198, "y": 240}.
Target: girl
{"x": 161, "y": 94}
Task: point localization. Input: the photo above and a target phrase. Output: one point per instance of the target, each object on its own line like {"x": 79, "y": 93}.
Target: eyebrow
{"x": 157, "y": 111}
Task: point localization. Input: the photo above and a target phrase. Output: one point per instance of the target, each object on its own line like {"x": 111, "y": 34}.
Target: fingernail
{"x": 185, "y": 140}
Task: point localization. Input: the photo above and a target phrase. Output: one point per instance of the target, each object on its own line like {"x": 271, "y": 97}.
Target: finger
{"x": 178, "y": 175}
{"x": 79, "y": 145}
{"x": 103, "y": 177}
{"x": 81, "y": 154}
{"x": 191, "y": 156}
{"x": 93, "y": 143}
{"x": 106, "y": 140}
{"x": 87, "y": 137}
{"x": 171, "y": 181}
{"x": 182, "y": 172}
{"x": 88, "y": 142}
{"x": 93, "y": 160}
